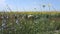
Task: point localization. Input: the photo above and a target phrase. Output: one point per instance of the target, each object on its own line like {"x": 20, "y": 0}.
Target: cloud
{"x": 2, "y": 4}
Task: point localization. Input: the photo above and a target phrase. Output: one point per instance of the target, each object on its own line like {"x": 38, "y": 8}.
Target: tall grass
{"x": 41, "y": 25}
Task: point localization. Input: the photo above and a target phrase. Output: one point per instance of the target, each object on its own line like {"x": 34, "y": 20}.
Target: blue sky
{"x": 29, "y": 5}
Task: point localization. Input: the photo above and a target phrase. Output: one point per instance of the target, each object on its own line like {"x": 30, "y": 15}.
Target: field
{"x": 37, "y": 23}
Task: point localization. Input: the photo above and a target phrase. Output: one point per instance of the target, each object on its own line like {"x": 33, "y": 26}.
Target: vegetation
{"x": 40, "y": 23}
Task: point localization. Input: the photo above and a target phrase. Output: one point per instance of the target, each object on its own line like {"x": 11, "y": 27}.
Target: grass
{"x": 46, "y": 23}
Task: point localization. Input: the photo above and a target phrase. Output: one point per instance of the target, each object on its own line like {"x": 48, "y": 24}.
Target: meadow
{"x": 21, "y": 23}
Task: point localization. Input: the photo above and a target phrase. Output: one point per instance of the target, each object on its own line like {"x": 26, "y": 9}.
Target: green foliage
{"x": 42, "y": 25}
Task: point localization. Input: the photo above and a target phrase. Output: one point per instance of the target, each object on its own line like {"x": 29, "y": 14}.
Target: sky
{"x": 30, "y": 5}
